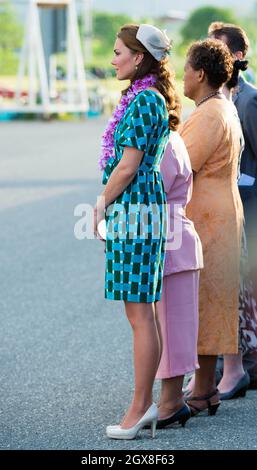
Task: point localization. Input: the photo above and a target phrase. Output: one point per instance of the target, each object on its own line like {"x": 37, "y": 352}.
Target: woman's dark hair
{"x": 214, "y": 58}
{"x": 238, "y": 65}
{"x": 165, "y": 77}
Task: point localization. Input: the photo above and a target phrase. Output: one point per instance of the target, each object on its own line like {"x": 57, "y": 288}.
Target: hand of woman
{"x": 99, "y": 214}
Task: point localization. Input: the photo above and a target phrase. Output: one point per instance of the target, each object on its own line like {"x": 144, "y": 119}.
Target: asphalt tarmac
{"x": 66, "y": 352}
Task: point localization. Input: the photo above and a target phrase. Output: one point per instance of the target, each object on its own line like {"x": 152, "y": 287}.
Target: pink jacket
{"x": 183, "y": 247}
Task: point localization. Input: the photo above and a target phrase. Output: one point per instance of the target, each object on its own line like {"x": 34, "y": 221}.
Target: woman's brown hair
{"x": 165, "y": 77}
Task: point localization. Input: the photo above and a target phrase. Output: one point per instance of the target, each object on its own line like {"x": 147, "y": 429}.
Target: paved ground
{"x": 65, "y": 352}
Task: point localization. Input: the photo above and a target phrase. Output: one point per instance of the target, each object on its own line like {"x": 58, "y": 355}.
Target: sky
{"x": 159, "y": 7}
{"x": 155, "y": 7}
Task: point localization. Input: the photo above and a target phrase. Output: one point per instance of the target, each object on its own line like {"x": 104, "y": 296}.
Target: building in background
{"x": 53, "y": 24}
{"x": 173, "y": 21}
{"x": 51, "y": 27}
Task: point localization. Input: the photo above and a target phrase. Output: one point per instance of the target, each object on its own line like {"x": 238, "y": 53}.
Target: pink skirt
{"x": 178, "y": 316}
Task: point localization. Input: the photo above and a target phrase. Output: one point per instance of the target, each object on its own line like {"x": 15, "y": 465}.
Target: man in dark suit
{"x": 245, "y": 100}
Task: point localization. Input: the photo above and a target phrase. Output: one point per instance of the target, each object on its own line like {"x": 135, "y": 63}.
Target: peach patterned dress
{"x": 212, "y": 136}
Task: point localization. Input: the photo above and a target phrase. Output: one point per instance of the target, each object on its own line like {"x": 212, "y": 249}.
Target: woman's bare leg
{"x": 158, "y": 325}
{"x": 146, "y": 358}
{"x": 205, "y": 377}
{"x": 233, "y": 371}
{"x": 171, "y": 399}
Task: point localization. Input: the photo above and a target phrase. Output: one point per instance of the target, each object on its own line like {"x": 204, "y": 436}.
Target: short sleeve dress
{"x": 135, "y": 257}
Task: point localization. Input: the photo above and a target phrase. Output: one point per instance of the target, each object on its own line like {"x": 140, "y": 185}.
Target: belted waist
{"x": 147, "y": 169}
{"x": 113, "y": 162}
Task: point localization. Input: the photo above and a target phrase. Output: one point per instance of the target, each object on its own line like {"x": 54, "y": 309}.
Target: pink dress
{"x": 178, "y": 307}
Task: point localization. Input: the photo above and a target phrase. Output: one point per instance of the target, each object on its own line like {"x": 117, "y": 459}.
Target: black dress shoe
{"x": 253, "y": 384}
{"x": 239, "y": 390}
{"x": 211, "y": 407}
{"x": 181, "y": 417}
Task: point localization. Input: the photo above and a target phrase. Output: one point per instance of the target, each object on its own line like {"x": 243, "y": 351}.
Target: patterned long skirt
{"x": 247, "y": 306}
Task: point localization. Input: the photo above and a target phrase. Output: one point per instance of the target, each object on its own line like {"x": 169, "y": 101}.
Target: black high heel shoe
{"x": 181, "y": 417}
{"x": 211, "y": 407}
{"x": 239, "y": 390}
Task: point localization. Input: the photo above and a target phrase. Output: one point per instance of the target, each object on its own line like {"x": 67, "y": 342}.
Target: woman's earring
{"x": 136, "y": 67}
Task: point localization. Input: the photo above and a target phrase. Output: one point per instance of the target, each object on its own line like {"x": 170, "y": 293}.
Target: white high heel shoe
{"x": 150, "y": 417}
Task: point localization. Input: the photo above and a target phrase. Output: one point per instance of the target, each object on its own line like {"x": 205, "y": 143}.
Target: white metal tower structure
{"x": 32, "y": 58}
{"x": 88, "y": 30}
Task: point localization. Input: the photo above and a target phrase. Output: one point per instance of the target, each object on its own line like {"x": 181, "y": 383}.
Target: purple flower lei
{"x": 108, "y": 150}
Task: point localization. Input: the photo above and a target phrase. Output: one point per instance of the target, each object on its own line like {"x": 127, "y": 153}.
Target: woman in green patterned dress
{"x": 135, "y": 248}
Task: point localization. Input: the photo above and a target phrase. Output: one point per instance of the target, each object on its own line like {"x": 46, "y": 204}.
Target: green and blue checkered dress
{"x": 134, "y": 264}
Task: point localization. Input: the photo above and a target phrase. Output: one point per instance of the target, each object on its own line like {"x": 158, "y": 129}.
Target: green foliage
{"x": 10, "y": 39}
{"x": 11, "y": 30}
{"x": 249, "y": 24}
{"x": 197, "y": 24}
{"x": 8, "y": 62}
{"x": 105, "y": 28}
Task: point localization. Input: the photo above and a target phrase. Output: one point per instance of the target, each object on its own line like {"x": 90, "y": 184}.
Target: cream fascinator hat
{"x": 154, "y": 40}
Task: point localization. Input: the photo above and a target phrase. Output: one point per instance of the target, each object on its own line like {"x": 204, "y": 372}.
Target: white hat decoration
{"x": 154, "y": 40}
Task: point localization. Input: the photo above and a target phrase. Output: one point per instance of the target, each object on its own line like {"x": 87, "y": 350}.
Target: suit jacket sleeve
{"x": 250, "y": 124}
